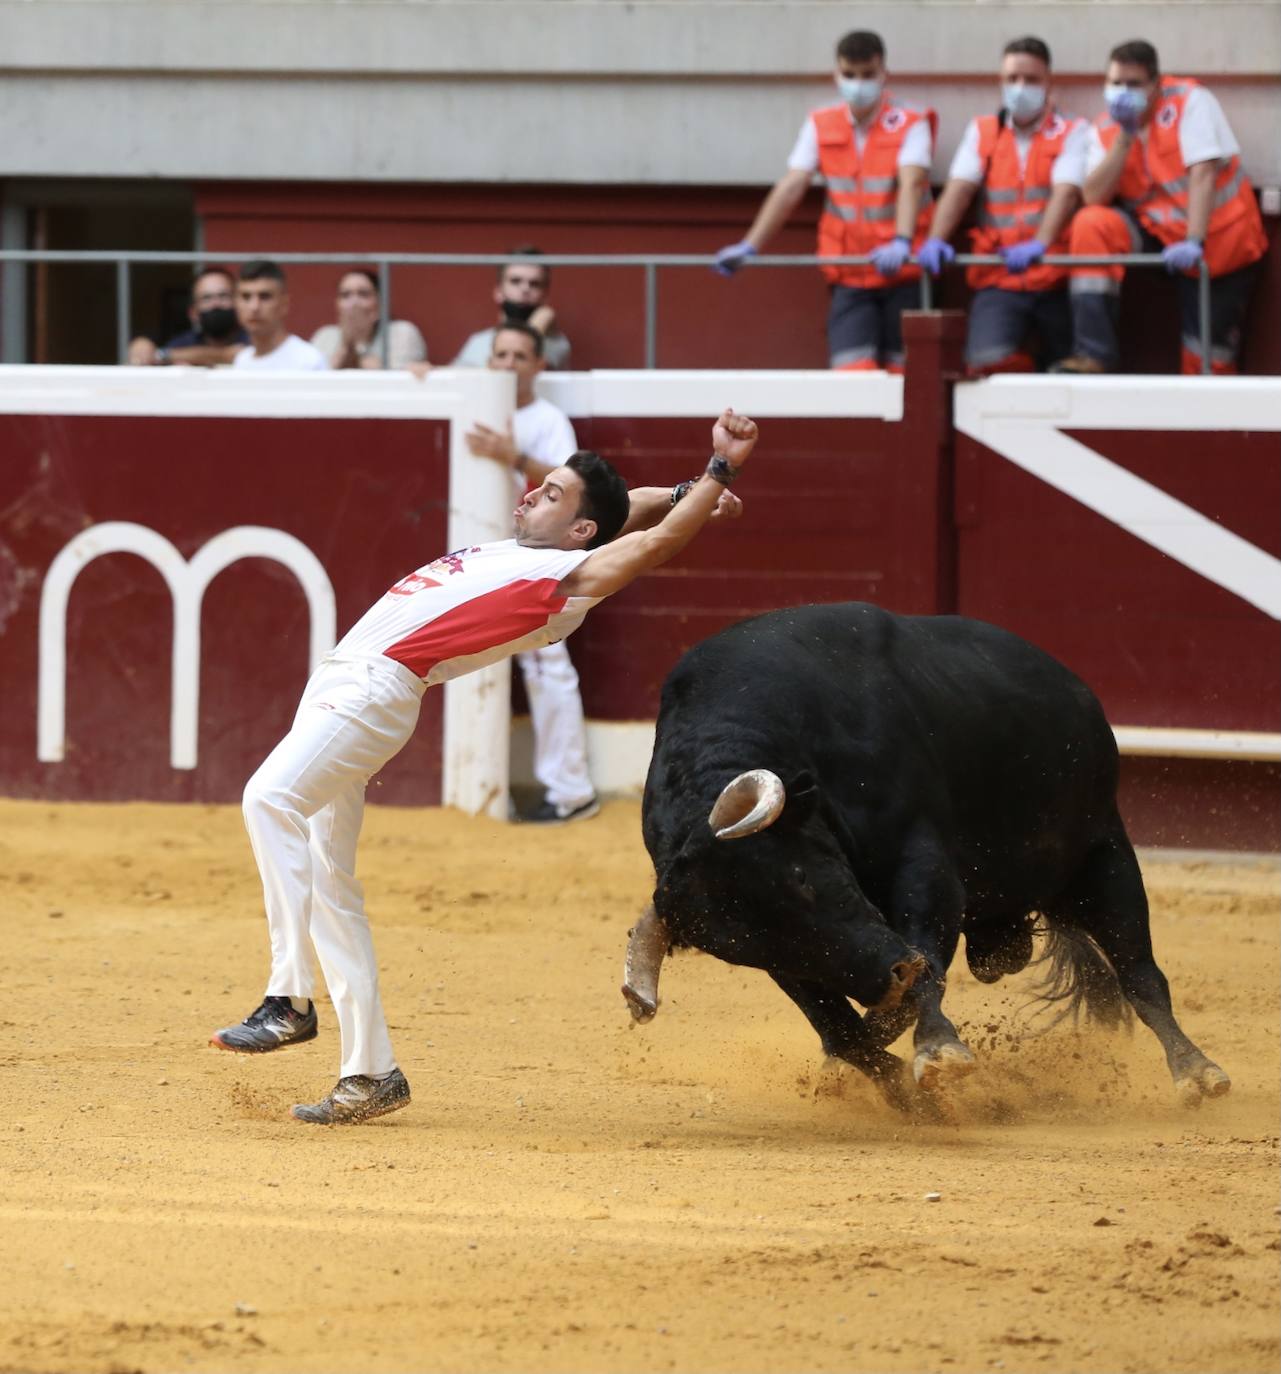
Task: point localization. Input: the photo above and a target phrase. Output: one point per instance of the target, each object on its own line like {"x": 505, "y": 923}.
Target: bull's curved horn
{"x": 751, "y": 802}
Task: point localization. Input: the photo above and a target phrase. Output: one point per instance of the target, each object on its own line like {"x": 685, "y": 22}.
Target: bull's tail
{"x": 1078, "y": 978}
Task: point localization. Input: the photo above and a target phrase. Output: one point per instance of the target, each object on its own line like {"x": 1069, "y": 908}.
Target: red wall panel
{"x": 367, "y": 497}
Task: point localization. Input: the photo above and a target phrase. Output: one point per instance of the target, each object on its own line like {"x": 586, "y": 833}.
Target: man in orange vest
{"x": 1166, "y": 154}
{"x": 874, "y": 153}
{"x": 1027, "y": 165}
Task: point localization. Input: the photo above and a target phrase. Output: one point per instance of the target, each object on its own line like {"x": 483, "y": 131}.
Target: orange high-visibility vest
{"x": 1154, "y": 186}
{"x": 862, "y": 190}
{"x": 1013, "y": 199}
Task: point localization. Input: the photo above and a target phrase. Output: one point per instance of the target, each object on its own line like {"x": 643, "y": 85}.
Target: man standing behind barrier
{"x": 539, "y": 439}
{"x": 521, "y": 298}
{"x": 580, "y": 537}
{"x": 874, "y": 154}
{"x": 1165, "y": 152}
{"x": 1027, "y": 164}
{"x": 262, "y": 306}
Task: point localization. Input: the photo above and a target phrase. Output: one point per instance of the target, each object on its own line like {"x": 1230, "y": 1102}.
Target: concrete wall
{"x": 644, "y": 92}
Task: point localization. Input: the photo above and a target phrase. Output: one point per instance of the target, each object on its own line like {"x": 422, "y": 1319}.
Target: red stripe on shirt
{"x": 499, "y": 617}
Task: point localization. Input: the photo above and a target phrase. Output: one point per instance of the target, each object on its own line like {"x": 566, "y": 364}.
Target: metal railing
{"x": 649, "y": 264}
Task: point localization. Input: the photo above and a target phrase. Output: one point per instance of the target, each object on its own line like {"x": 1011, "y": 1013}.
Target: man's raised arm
{"x": 616, "y": 564}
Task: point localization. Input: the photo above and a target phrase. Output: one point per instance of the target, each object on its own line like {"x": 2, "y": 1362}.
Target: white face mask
{"x": 1115, "y": 94}
{"x": 859, "y": 92}
{"x": 1022, "y": 101}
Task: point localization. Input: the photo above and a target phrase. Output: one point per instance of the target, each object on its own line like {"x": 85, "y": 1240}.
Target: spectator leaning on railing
{"x": 1027, "y": 165}
{"x": 215, "y": 335}
{"x": 1164, "y": 152}
{"x": 521, "y": 298}
{"x": 262, "y": 306}
{"x": 874, "y": 153}
{"x": 356, "y": 340}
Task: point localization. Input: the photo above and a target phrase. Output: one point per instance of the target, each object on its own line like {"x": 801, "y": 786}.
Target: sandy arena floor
{"x": 567, "y": 1193}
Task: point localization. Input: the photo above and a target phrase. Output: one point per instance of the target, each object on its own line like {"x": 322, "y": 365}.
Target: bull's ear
{"x": 803, "y": 797}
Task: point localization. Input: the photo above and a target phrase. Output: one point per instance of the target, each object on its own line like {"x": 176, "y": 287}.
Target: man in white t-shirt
{"x": 1026, "y": 164}
{"x": 580, "y": 537}
{"x": 874, "y": 155}
{"x": 521, "y": 298}
{"x": 539, "y": 439}
{"x": 262, "y": 307}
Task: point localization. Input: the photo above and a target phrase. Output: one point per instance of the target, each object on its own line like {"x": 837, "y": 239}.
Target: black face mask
{"x": 515, "y": 310}
{"x": 217, "y": 323}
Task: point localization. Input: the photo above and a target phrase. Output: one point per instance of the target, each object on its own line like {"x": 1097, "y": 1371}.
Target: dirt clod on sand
{"x": 567, "y": 1192}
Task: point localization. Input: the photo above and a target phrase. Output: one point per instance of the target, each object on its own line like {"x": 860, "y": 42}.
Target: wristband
{"x": 162, "y": 357}
{"x": 721, "y": 470}
{"x": 682, "y": 489}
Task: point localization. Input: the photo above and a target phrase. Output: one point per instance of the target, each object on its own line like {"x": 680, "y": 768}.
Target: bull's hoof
{"x": 642, "y": 1008}
{"x": 936, "y": 1065}
{"x": 1201, "y": 1081}
{"x": 902, "y": 976}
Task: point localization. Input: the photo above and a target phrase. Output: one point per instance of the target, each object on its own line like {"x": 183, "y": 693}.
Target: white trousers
{"x": 556, "y": 714}
{"x": 303, "y": 810}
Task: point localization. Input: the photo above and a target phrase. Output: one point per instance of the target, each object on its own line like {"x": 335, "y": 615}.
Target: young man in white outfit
{"x": 580, "y": 537}
{"x": 262, "y": 307}
{"x": 539, "y": 438}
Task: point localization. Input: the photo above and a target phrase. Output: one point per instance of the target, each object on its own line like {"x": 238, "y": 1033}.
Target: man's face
{"x": 1023, "y": 69}
{"x": 212, "y": 291}
{"x": 513, "y": 351}
{"x": 261, "y": 306}
{"x": 547, "y": 517}
{"x": 869, "y": 69}
{"x": 1134, "y": 76}
{"x": 522, "y": 284}
{"x": 357, "y": 297}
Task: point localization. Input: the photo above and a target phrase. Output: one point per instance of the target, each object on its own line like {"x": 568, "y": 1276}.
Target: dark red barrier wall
{"x": 367, "y": 497}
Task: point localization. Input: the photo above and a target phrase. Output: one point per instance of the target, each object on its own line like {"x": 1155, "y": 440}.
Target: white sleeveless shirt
{"x": 470, "y": 609}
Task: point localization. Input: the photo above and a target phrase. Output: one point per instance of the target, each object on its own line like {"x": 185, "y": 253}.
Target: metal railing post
{"x": 651, "y": 315}
{"x": 384, "y": 311}
{"x": 927, "y": 290}
{"x": 1203, "y": 311}
{"x": 122, "y": 310}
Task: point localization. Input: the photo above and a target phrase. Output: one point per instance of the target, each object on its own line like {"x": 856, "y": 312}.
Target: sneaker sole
{"x": 584, "y": 815}
{"x": 262, "y": 1049}
{"x": 354, "y": 1120}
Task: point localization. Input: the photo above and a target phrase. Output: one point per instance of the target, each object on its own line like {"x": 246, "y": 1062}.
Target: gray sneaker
{"x": 548, "y": 813}
{"x": 272, "y": 1026}
{"x": 357, "y": 1098}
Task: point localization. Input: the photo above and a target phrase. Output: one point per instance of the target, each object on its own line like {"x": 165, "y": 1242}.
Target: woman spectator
{"x": 355, "y": 340}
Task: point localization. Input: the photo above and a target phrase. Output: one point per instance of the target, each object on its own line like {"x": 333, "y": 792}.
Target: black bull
{"x": 838, "y": 794}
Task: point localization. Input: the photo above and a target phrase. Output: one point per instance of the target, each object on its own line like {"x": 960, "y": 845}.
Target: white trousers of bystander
{"x": 303, "y": 809}
{"x": 560, "y": 735}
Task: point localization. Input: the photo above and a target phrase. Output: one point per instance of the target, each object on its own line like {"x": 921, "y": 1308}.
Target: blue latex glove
{"x": 730, "y": 259}
{"x": 1182, "y": 257}
{"x": 934, "y": 254}
{"x": 889, "y": 258}
{"x": 1020, "y": 256}
{"x": 1126, "y": 108}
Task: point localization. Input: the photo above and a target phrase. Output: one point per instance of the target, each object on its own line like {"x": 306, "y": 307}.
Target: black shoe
{"x": 357, "y": 1099}
{"x": 273, "y": 1026}
{"x": 548, "y": 813}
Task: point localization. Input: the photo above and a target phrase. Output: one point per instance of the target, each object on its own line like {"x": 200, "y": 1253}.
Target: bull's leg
{"x": 843, "y": 1033}
{"x": 647, "y": 945}
{"x": 927, "y": 908}
{"x": 1108, "y": 901}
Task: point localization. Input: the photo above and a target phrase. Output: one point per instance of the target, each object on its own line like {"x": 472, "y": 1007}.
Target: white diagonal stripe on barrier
{"x": 1138, "y": 507}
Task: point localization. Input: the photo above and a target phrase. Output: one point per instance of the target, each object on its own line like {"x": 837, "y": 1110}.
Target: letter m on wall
{"x": 187, "y": 582}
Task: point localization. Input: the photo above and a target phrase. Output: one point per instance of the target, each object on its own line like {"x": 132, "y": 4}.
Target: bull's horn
{"x": 751, "y": 802}
{"x": 647, "y": 946}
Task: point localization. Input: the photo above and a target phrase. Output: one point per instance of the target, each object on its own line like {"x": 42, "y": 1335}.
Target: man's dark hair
{"x": 862, "y": 45}
{"x": 262, "y": 269}
{"x": 520, "y": 327}
{"x": 1033, "y": 47}
{"x": 370, "y": 277}
{"x": 211, "y": 272}
{"x": 1139, "y": 52}
{"x": 605, "y": 498}
{"x": 526, "y": 250}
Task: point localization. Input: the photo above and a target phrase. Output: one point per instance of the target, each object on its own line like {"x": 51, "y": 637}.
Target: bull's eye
{"x": 798, "y": 876}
